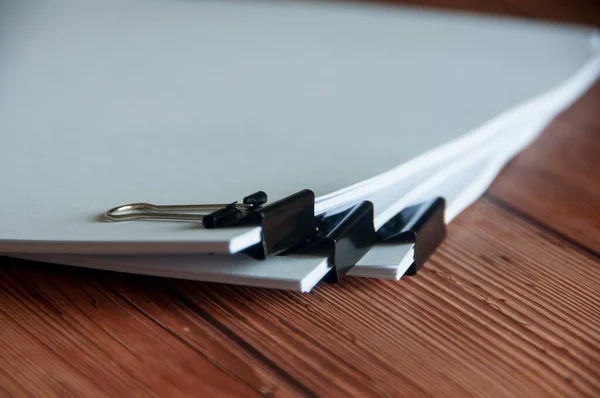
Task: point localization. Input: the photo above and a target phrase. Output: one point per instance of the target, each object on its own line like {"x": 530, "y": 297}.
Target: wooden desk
{"x": 508, "y": 307}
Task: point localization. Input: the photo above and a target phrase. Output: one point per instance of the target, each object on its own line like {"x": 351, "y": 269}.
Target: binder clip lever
{"x": 211, "y": 215}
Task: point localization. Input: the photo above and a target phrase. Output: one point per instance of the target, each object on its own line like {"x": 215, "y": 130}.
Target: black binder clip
{"x": 285, "y": 223}
{"x": 344, "y": 237}
{"x": 422, "y": 225}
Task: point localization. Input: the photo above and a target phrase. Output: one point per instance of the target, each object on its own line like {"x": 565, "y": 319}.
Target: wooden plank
{"x": 503, "y": 309}
{"x": 556, "y": 180}
{"x": 572, "y": 11}
{"x": 585, "y": 12}
{"x": 156, "y": 298}
{"x": 65, "y": 334}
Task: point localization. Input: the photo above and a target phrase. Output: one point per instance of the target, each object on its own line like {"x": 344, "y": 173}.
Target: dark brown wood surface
{"x": 507, "y": 307}
{"x": 585, "y": 12}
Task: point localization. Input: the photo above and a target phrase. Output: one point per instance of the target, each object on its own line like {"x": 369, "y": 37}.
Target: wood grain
{"x": 556, "y": 181}
{"x": 66, "y": 334}
{"x": 157, "y": 300}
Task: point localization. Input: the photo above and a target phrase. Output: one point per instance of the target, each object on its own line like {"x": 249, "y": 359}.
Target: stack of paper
{"x": 105, "y": 103}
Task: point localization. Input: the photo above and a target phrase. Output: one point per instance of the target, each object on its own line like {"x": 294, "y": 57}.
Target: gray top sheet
{"x": 104, "y": 103}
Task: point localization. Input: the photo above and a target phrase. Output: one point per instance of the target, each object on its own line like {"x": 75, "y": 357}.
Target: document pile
{"x": 337, "y": 140}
